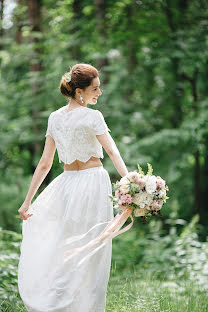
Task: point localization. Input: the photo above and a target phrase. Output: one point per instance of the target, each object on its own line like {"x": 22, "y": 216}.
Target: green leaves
{"x": 150, "y": 169}
{"x": 140, "y": 169}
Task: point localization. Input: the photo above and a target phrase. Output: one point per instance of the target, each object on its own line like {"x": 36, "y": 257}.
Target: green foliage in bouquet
{"x": 150, "y": 169}
{"x": 140, "y": 169}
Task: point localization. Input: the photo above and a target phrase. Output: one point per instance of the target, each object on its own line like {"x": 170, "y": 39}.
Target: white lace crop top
{"x": 74, "y": 133}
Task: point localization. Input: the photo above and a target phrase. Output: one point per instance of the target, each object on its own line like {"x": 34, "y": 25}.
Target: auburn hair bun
{"x": 66, "y": 87}
{"x": 80, "y": 76}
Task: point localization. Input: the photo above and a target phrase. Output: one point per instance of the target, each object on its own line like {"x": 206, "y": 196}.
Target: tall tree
{"x": 175, "y": 24}
{"x": 1, "y": 22}
{"x": 100, "y": 14}
{"x": 20, "y": 20}
{"x": 76, "y": 24}
{"x": 34, "y": 15}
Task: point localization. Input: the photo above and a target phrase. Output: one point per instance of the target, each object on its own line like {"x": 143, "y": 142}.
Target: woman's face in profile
{"x": 92, "y": 92}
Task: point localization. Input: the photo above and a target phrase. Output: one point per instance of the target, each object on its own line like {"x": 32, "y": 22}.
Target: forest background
{"x": 153, "y": 63}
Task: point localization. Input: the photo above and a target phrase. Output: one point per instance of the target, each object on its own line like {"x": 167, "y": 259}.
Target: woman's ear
{"x": 78, "y": 91}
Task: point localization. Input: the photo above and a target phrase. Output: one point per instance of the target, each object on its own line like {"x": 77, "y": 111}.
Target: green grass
{"x": 12, "y": 306}
{"x": 140, "y": 292}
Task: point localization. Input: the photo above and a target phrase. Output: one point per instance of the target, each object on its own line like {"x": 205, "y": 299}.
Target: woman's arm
{"x": 111, "y": 149}
{"x": 39, "y": 175}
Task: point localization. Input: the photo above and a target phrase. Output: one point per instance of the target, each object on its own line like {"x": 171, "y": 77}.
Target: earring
{"x": 81, "y": 99}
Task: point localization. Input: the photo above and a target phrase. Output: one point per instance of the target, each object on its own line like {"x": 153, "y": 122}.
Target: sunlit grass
{"x": 12, "y": 304}
{"x": 141, "y": 292}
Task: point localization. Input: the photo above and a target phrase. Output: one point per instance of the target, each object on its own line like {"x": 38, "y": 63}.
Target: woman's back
{"x": 74, "y": 133}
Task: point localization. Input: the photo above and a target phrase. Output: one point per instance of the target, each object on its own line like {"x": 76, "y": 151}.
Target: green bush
{"x": 9, "y": 258}
{"x": 176, "y": 255}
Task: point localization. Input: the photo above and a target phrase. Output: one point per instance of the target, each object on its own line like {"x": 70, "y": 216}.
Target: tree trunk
{"x": 19, "y": 23}
{"x": 34, "y": 15}
{"x": 75, "y": 50}
{"x": 181, "y": 23}
{"x": 178, "y": 91}
{"x": 204, "y": 169}
{"x": 132, "y": 43}
{"x": 100, "y": 8}
{"x": 204, "y": 184}
{"x": 1, "y": 23}
{"x": 132, "y": 48}
{"x": 197, "y": 169}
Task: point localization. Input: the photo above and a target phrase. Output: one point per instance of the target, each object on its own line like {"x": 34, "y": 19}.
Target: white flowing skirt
{"x": 69, "y": 206}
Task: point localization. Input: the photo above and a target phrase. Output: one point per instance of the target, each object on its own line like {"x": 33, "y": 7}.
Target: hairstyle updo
{"x": 80, "y": 76}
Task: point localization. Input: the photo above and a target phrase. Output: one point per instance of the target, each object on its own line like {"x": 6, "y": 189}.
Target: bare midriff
{"x": 80, "y": 165}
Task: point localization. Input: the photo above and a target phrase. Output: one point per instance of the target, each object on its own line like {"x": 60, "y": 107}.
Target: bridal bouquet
{"x": 144, "y": 193}
{"x": 135, "y": 195}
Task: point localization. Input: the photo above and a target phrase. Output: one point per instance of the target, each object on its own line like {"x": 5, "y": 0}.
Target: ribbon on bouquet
{"x": 111, "y": 230}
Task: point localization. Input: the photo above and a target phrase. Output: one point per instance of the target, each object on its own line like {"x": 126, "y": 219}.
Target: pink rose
{"x": 160, "y": 182}
{"x": 141, "y": 182}
{"x": 126, "y": 199}
{"x": 117, "y": 193}
{"x": 157, "y": 204}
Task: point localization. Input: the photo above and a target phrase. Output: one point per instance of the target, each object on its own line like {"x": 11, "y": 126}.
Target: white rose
{"x": 150, "y": 184}
{"x": 157, "y": 204}
{"x": 133, "y": 176}
{"x": 124, "y": 189}
{"x": 148, "y": 207}
{"x": 139, "y": 212}
{"x": 142, "y": 199}
{"x": 139, "y": 199}
{"x": 123, "y": 181}
{"x": 148, "y": 199}
{"x": 162, "y": 193}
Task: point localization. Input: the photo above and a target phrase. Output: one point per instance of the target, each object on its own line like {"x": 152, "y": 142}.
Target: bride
{"x": 65, "y": 213}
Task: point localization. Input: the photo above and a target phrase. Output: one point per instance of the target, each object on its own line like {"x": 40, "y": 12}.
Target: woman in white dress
{"x": 66, "y": 212}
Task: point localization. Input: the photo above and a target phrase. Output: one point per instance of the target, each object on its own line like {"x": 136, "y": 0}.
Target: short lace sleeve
{"x": 49, "y": 130}
{"x": 99, "y": 124}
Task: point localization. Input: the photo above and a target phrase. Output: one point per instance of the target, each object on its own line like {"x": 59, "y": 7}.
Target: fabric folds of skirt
{"x": 68, "y": 207}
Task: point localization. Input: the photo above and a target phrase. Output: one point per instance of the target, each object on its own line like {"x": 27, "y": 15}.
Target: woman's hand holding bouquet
{"x": 144, "y": 194}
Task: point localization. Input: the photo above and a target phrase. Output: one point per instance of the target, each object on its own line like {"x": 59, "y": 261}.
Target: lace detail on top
{"x": 74, "y": 133}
